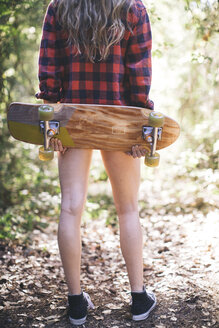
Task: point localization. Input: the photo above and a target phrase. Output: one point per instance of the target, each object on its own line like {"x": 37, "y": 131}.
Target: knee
{"x": 128, "y": 210}
{"x": 72, "y": 206}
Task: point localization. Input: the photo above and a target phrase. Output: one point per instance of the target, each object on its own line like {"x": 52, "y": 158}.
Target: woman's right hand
{"x": 137, "y": 151}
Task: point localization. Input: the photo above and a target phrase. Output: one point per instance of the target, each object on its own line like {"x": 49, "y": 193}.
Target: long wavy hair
{"x": 93, "y": 26}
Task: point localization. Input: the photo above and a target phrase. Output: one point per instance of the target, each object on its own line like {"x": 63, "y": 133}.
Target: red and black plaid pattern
{"x": 124, "y": 78}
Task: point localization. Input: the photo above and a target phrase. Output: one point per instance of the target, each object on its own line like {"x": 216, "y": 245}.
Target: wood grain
{"x": 94, "y": 126}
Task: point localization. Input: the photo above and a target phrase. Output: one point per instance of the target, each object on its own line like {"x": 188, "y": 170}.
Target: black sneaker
{"x": 78, "y": 306}
{"x": 142, "y": 304}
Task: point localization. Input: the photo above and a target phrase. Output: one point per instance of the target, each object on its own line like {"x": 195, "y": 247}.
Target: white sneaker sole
{"x": 145, "y": 315}
{"x": 78, "y": 322}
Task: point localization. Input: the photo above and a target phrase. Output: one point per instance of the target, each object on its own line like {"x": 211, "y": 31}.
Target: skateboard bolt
{"x": 149, "y": 139}
{"x": 51, "y": 133}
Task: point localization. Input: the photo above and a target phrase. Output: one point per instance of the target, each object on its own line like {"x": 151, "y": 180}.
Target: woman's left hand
{"x": 57, "y": 145}
{"x": 137, "y": 151}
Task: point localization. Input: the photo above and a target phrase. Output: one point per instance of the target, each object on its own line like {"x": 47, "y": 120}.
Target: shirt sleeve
{"x": 138, "y": 62}
{"x": 51, "y": 68}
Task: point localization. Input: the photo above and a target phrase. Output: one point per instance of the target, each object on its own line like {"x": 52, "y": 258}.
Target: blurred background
{"x": 185, "y": 86}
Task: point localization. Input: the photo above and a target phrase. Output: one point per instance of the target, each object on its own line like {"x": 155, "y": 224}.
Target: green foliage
{"x": 101, "y": 206}
{"x": 204, "y": 17}
{"x": 200, "y": 96}
{"x": 28, "y": 190}
{"x": 202, "y": 23}
{"x": 20, "y": 26}
{"x": 185, "y": 40}
{"x": 25, "y": 193}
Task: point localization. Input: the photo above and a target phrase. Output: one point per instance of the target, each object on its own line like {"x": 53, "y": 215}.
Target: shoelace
{"x": 90, "y": 303}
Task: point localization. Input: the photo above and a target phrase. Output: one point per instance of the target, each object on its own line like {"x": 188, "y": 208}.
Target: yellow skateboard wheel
{"x": 156, "y": 119}
{"x": 46, "y": 154}
{"x": 152, "y": 161}
{"x": 46, "y": 112}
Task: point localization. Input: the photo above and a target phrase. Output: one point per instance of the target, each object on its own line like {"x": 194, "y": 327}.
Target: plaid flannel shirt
{"x": 124, "y": 78}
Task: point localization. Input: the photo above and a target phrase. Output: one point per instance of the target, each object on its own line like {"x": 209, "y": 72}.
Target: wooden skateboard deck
{"x": 103, "y": 127}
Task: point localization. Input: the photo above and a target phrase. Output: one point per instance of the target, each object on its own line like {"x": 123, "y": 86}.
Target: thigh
{"x": 73, "y": 174}
{"x": 124, "y": 175}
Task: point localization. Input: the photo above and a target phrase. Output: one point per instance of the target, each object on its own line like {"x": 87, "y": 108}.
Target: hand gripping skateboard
{"x": 105, "y": 127}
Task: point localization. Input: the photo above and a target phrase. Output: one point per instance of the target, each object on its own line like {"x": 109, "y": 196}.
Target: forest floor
{"x": 180, "y": 265}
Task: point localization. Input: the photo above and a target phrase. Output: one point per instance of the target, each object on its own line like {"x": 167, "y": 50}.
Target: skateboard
{"x": 105, "y": 127}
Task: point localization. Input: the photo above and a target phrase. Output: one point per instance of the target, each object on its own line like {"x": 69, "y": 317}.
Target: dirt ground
{"x": 181, "y": 247}
{"x": 180, "y": 266}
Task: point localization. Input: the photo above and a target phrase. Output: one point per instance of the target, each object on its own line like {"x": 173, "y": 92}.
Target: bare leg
{"x": 124, "y": 174}
{"x": 73, "y": 173}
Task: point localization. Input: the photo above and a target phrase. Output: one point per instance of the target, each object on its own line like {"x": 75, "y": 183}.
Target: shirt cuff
{"x": 49, "y": 95}
{"x": 150, "y": 104}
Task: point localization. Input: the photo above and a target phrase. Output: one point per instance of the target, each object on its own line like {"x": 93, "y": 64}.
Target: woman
{"x": 98, "y": 52}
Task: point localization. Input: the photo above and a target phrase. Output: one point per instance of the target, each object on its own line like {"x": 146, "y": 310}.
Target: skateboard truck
{"x": 152, "y": 134}
{"x": 49, "y": 129}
